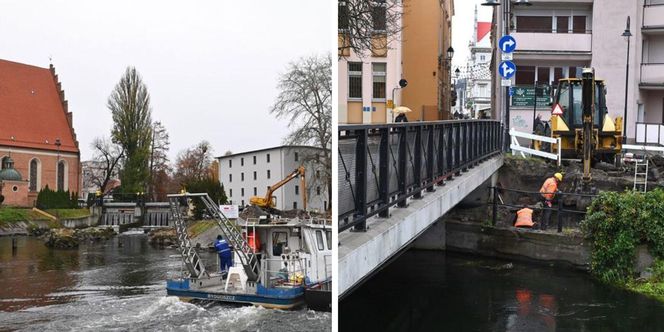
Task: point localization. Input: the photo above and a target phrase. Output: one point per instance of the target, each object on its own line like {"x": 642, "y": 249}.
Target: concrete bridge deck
{"x": 363, "y": 253}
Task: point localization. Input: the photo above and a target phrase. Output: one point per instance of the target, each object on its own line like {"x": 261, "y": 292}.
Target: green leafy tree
{"x": 129, "y": 104}
{"x": 208, "y": 185}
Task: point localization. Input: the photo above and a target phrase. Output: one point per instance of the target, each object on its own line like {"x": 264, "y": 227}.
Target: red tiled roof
{"x": 31, "y": 109}
{"x": 483, "y": 29}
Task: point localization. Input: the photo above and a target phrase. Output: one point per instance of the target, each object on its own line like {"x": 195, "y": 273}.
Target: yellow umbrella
{"x": 402, "y": 109}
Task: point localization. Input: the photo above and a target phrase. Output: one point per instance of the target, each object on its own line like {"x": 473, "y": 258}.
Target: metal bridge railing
{"x": 383, "y": 165}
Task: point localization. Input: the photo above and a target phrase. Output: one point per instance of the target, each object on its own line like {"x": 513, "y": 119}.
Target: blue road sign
{"x": 507, "y": 44}
{"x": 507, "y": 69}
{"x": 511, "y": 91}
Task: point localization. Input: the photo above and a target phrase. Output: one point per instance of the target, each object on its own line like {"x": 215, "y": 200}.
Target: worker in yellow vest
{"x": 524, "y": 218}
{"x": 548, "y": 192}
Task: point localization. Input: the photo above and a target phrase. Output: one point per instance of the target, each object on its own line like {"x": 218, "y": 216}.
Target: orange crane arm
{"x": 273, "y": 188}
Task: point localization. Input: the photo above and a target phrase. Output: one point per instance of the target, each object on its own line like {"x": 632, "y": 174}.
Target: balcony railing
{"x": 542, "y": 41}
{"x": 652, "y": 73}
{"x": 653, "y": 14}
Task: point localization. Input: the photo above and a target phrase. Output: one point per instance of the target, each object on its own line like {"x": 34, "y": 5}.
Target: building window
{"x": 379, "y": 16}
{"x": 255, "y": 175}
{"x": 534, "y": 24}
{"x": 355, "y": 80}
{"x": 15, "y": 188}
{"x": 268, "y": 157}
{"x": 242, "y": 193}
{"x": 242, "y": 202}
{"x": 297, "y": 190}
{"x": 294, "y": 205}
{"x": 296, "y": 157}
{"x": 230, "y": 177}
{"x": 255, "y": 191}
{"x": 379, "y": 80}
{"x": 525, "y": 75}
{"x": 317, "y": 190}
{"x": 230, "y": 163}
{"x": 543, "y": 75}
{"x": 254, "y": 160}
{"x": 325, "y": 205}
{"x": 319, "y": 240}
{"x": 562, "y": 24}
{"x": 241, "y": 161}
{"x": 343, "y": 16}
{"x": 578, "y": 24}
{"x": 2, "y": 163}
{"x": 230, "y": 192}
{"x": 34, "y": 166}
{"x": 61, "y": 175}
{"x": 242, "y": 176}
{"x": 268, "y": 173}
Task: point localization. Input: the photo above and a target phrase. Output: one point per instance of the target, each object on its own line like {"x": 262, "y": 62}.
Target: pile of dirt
{"x": 65, "y": 238}
{"x": 250, "y": 212}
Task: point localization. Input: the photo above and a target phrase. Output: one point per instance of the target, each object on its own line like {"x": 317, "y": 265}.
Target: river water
{"x": 438, "y": 291}
{"x": 118, "y": 285}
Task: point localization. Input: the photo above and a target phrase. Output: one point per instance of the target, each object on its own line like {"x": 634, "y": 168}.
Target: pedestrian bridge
{"x": 396, "y": 180}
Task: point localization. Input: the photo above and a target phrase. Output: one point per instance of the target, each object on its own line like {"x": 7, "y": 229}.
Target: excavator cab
{"x": 569, "y": 126}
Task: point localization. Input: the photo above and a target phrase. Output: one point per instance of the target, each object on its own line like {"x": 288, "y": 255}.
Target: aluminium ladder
{"x": 189, "y": 255}
{"x": 641, "y": 176}
{"x": 232, "y": 234}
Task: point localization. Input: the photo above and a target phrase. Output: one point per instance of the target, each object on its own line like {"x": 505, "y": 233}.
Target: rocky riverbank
{"x": 64, "y": 238}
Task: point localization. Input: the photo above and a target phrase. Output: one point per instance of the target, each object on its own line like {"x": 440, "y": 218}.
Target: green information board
{"x": 524, "y": 96}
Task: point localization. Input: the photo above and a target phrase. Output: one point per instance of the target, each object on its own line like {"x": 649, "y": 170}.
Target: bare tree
{"x": 158, "y": 156}
{"x": 106, "y": 160}
{"x": 366, "y": 25}
{"x": 193, "y": 163}
{"x": 305, "y": 100}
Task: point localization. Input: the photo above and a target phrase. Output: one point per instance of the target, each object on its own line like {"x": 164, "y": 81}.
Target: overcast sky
{"x": 211, "y": 67}
{"x": 463, "y": 26}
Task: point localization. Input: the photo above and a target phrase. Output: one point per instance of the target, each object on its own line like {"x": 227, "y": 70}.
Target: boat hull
{"x": 319, "y": 298}
{"x": 278, "y": 299}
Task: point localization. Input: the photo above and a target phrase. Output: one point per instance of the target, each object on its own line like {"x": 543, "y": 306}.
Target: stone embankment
{"x": 64, "y": 238}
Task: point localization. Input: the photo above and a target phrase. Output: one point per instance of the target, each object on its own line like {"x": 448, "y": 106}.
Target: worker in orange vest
{"x": 548, "y": 192}
{"x": 524, "y": 218}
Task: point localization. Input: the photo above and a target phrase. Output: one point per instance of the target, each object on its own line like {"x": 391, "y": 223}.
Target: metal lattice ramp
{"x": 190, "y": 257}
{"x": 232, "y": 234}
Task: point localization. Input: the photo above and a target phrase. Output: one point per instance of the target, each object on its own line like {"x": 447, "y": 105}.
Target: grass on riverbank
{"x": 69, "y": 213}
{"x": 200, "y": 227}
{"x": 653, "y": 286}
{"x": 10, "y": 215}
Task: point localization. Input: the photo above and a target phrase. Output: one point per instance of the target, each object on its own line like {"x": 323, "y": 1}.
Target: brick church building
{"x": 38, "y": 145}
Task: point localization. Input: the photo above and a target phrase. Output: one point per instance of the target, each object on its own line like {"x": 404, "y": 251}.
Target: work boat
{"x": 276, "y": 261}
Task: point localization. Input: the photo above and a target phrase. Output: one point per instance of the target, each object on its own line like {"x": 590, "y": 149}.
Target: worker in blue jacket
{"x": 225, "y": 254}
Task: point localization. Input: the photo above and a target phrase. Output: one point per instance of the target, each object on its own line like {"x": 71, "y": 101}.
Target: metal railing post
{"x": 417, "y": 172}
{"x": 560, "y": 212}
{"x": 361, "y": 178}
{"x": 402, "y": 162}
{"x": 430, "y": 149}
{"x": 384, "y": 171}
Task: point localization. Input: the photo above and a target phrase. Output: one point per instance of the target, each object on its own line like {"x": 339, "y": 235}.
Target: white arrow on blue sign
{"x": 507, "y": 44}
{"x": 507, "y": 69}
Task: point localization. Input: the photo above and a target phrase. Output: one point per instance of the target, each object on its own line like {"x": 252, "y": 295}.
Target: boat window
{"x": 328, "y": 235}
{"x": 319, "y": 240}
{"x": 279, "y": 242}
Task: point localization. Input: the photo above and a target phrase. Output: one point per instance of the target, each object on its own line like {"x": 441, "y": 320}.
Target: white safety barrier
{"x": 515, "y": 146}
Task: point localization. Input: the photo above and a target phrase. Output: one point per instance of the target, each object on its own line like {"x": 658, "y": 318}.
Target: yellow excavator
{"x": 585, "y": 128}
{"x": 269, "y": 201}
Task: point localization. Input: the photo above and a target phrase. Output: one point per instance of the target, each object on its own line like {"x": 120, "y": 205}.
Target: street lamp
{"x": 627, "y": 34}
{"x": 450, "y": 55}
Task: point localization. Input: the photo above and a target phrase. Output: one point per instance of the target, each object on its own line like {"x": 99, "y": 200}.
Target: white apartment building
{"x": 556, "y": 39}
{"x": 248, "y": 174}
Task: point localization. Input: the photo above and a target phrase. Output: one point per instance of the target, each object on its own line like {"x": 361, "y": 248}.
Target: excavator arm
{"x": 267, "y": 200}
